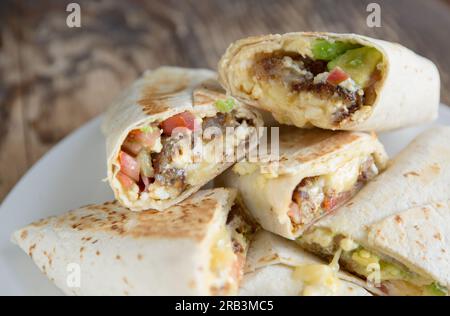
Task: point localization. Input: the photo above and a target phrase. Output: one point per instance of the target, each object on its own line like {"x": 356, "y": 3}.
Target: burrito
{"x": 276, "y": 266}
{"x": 316, "y": 171}
{"x": 395, "y": 231}
{"x": 164, "y": 135}
{"x": 197, "y": 247}
{"x": 332, "y": 81}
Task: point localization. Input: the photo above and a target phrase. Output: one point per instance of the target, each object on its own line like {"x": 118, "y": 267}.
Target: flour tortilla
{"x": 131, "y": 253}
{"x": 270, "y": 265}
{"x": 405, "y": 213}
{"x": 408, "y": 93}
{"x": 156, "y": 96}
{"x": 303, "y": 153}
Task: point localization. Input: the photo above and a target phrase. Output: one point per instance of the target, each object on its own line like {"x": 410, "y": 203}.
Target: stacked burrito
{"x": 323, "y": 212}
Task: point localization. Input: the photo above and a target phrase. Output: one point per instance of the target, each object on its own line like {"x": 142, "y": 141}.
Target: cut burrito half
{"x": 332, "y": 81}
{"x": 197, "y": 247}
{"x": 278, "y": 267}
{"x": 164, "y": 136}
{"x": 315, "y": 173}
{"x": 395, "y": 231}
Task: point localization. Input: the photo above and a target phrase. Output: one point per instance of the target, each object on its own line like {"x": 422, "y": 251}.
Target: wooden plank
{"x": 13, "y": 162}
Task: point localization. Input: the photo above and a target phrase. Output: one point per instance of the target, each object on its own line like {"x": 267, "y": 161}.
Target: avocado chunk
{"x": 435, "y": 289}
{"x": 358, "y": 63}
{"x": 325, "y": 50}
{"x": 392, "y": 272}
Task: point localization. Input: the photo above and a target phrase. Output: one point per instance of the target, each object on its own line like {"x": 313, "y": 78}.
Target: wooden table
{"x": 54, "y": 78}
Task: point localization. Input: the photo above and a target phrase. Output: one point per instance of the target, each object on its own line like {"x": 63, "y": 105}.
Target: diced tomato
{"x": 129, "y": 165}
{"x": 334, "y": 201}
{"x": 146, "y": 139}
{"x": 336, "y": 76}
{"x": 182, "y": 120}
{"x": 328, "y": 203}
{"x": 125, "y": 180}
{"x": 295, "y": 213}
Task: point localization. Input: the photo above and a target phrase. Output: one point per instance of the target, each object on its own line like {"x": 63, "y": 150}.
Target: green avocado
{"x": 392, "y": 272}
{"x": 358, "y": 63}
{"x": 434, "y": 289}
{"x": 325, "y": 50}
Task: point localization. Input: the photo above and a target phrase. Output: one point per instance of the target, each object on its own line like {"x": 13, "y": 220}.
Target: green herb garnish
{"x": 147, "y": 129}
{"x": 225, "y": 105}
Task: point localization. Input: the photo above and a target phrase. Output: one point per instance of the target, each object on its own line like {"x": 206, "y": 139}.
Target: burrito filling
{"x": 160, "y": 161}
{"x": 316, "y": 196}
{"x": 387, "y": 274}
{"x": 331, "y": 81}
{"x": 229, "y": 250}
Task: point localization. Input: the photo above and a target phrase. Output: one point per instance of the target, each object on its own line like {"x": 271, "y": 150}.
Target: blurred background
{"x": 54, "y": 78}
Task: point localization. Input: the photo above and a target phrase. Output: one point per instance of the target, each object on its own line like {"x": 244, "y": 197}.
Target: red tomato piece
{"x": 182, "y": 120}
{"x": 125, "y": 180}
{"x": 336, "y": 76}
{"x": 129, "y": 166}
{"x": 146, "y": 139}
{"x": 294, "y": 213}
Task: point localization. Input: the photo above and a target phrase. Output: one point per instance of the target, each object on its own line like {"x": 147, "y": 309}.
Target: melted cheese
{"x": 322, "y": 237}
{"x": 348, "y": 244}
{"x": 374, "y": 273}
{"x": 222, "y": 254}
{"x": 345, "y": 177}
{"x": 244, "y": 168}
{"x": 399, "y": 280}
{"x": 319, "y": 279}
{"x": 286, "y": 104}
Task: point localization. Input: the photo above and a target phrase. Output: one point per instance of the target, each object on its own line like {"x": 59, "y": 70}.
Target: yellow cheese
{"x": 244, "y": 168}
{"x": 348, "y": 244}
{"x": 364, "y": 258}
{"x": 345, "y": 177}
{"x": 374, "y": 274}
{"x": 222, "y": 253}
{"x": 323, "y": 237}
{"x": 317, "y": 278}
{"x": 282, "y": 101}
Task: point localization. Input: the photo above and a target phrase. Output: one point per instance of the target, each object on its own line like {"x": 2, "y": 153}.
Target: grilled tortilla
{"x": 197, "y": 247}
{"x": 164, "y": 134}
{"x": 276, "y": 266}
{"x": 332, "y": 81}
{"x": 395, "y": 231}
{"x": 315, "y": 173}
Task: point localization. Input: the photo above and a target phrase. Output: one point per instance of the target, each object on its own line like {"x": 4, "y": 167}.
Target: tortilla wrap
{"x": 402, "y": 217}
{"x": 186, "y": 250}
{"x": 405, "y": 91}
{"x": 170, "y": 170}
{"x": 270, "y": 267}
{"x": 317, "y": 170}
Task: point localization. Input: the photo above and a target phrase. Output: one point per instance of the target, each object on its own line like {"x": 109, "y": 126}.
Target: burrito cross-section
{"x": 395, "y": 231}
{"x": 332, "y": 81}
{"x": 276, "y": 266}
{"x": 163, "y": 136}
{"x": 197, "y": 247}
{"x": 316, "y": 171}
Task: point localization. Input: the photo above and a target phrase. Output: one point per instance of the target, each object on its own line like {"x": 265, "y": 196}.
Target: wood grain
{"x": 54, "y": 78}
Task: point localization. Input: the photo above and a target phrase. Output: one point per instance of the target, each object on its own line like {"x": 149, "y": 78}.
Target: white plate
{"x": 70, "y": 175}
